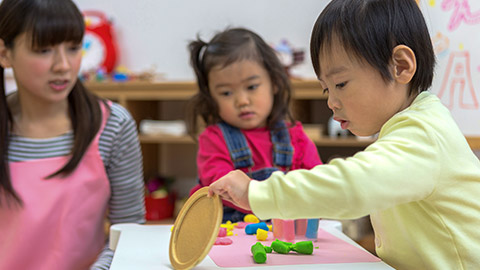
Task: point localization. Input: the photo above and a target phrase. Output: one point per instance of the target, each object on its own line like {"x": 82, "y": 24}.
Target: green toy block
{"x": 280, "y": 247}
{"x": 259, "y": 253}
{"x": 303, "y": 247}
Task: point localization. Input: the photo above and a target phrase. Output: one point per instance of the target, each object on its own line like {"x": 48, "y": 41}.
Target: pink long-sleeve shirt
{"x": 213, "y": 158}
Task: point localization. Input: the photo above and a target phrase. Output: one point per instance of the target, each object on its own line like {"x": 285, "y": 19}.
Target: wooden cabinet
{"x": 175, "y": 156}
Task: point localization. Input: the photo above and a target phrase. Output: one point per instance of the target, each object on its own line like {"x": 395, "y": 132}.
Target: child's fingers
{"x": 218, "y": 189}
{"x": 210, "y": 191}
{"x": 215, "y": 188}
{"x": 233, "y": 187}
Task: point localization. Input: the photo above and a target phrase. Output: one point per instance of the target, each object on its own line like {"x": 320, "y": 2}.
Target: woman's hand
{"x": 232, "y": 187}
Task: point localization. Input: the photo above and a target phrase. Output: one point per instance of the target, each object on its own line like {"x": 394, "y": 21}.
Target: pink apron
{"x": 61, "y": 223}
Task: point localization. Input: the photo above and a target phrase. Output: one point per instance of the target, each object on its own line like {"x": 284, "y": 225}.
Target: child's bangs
{"x": 54, "y": 27}
{"x": 331, "y": 34}
{"x": 323, "y": 42}
{"x": 231, "y": 55}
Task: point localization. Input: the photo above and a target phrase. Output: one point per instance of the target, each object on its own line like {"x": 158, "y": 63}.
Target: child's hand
{"x": 232, "y": 187}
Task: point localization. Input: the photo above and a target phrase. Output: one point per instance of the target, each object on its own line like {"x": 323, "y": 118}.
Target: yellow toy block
{"x": 251, "y": 219}
{"x": 262, "y": 235}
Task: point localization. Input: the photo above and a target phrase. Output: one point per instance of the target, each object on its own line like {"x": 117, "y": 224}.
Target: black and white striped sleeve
{"x": 122, "y": 157}
{"x": 124, "y": 166}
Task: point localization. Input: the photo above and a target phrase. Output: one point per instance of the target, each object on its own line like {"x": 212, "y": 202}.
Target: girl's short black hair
{"x": 370, "y": 29}
{"x": 225, "y": 48}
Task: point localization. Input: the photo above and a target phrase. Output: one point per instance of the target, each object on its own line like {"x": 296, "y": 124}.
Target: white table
{"x": 145, "y": 247}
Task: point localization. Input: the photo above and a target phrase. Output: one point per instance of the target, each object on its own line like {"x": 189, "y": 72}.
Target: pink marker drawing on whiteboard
{"x": 461, "y": 12}
{"x": 457, "y": 78}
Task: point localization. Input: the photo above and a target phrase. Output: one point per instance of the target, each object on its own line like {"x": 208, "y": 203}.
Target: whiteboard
{"x": 455, "y": 30}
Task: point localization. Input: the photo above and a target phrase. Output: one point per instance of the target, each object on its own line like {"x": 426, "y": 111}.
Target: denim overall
{"x": 242, "y": 157}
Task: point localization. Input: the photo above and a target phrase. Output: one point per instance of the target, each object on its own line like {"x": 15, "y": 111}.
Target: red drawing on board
{"x": 457, "y": 82}
{"x": 461, "y": 12}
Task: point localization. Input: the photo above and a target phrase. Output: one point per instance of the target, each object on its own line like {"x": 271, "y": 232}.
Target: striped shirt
{"x": 120, "y": 151}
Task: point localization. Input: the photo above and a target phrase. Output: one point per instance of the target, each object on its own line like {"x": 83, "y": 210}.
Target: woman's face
{"x": 43, "y": 74}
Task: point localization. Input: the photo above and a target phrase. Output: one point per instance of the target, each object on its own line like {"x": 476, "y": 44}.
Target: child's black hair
{"x": 370, "y": 29}
{"x": 225, "y": 48}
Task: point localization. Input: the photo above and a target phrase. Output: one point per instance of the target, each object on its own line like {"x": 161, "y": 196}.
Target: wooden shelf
{"x": 122, "y": 92}
{"x": 324, "y": 141}
{"x": 307, "y": 90}
{"x": 350, "y": 141}
{"x": 162, "y": 138}
{"x": 181, "y": 90}
{"x": 474, "y": 143}
{"x": 175, "y": 156}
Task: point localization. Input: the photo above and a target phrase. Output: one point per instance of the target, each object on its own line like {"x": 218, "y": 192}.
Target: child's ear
{"x": 404, "y": 63}
{"x": 4, "y": 55}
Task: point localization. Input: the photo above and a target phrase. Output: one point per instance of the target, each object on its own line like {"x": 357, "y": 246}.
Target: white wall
{"x": 155, "y": 33}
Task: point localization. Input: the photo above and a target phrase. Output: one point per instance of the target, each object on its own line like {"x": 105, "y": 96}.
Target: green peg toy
{"x": 281, "y": 247}
{"x": 259, "y": 252}
{"x": 302, "y": 247}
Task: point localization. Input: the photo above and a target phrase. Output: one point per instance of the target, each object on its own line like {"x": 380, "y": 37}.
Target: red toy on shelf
{"x": 99, "y": 47}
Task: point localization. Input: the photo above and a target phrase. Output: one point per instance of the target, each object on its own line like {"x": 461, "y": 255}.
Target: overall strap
{"x": 237, "y": 146}
{"x": 282, "y": 146}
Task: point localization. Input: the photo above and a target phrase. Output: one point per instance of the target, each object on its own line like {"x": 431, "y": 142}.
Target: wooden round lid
{"x": 195, "y": 229}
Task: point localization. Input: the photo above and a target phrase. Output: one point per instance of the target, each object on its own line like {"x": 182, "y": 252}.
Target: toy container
{"x": 288, "y": 229}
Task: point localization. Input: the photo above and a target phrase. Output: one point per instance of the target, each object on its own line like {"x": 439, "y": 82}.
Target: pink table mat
{"x": 330, "y": 250}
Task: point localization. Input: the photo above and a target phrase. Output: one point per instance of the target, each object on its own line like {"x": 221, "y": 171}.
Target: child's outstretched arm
{"x": 232, "y": 187}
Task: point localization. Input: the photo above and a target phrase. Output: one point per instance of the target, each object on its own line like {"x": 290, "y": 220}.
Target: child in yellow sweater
{"x": 420, "y": 181}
